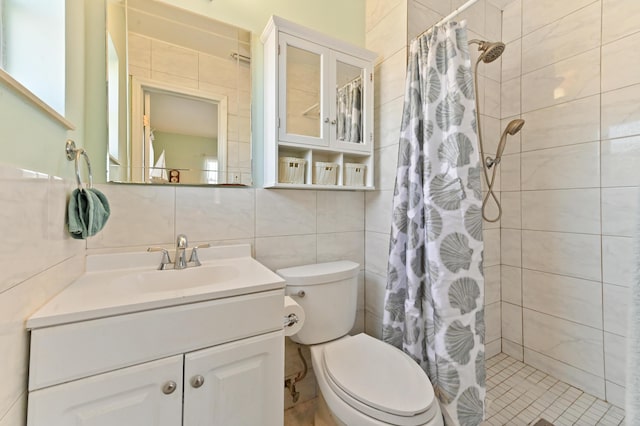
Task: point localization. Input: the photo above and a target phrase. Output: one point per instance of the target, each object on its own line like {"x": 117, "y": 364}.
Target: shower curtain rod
{"x": 449, "y": 16}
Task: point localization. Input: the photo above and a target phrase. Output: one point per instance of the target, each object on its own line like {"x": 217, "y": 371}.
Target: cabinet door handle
{"x": 197, "y": 381}
{"x": 169, "y": 387}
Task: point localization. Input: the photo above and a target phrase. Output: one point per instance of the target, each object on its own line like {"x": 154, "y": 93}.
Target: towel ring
{"x": 74, "y": 153}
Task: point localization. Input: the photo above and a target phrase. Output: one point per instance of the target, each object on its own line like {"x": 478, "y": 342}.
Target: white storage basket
{"x": 354, "y": 174}
{"x": 325, "y": 173}
{"x": 291, "y": 170}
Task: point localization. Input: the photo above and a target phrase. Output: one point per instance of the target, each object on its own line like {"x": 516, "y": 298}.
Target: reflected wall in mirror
{"x": 179, "y": 96}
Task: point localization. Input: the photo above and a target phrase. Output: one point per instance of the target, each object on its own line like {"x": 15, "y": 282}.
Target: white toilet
{"x": 362, "y": 380}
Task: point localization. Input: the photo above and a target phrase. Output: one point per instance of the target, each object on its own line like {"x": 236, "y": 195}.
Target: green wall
{"x": 32, "y": 140}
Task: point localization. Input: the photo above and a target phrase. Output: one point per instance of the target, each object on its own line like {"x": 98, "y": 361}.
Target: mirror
{"x": 179, "y": 96}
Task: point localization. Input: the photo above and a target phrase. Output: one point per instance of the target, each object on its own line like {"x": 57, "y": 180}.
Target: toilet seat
{"x": 358, "y": 371}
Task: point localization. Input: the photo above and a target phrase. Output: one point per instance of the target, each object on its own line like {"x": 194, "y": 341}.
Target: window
{"x": 32, "y": 47}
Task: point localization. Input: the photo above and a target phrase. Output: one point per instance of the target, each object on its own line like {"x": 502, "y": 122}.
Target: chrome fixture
{"x": 166, "y": 259}
{"x": 512, "y": 128}
{"x": 181, "y": 254}
{"x": 490, "y": 52}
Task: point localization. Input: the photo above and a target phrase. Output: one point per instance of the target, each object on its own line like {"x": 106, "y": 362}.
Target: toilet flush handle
{"x": 301, "y": 293}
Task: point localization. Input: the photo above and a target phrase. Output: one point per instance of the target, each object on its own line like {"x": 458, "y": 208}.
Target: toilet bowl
{"x": 362, "y": 381}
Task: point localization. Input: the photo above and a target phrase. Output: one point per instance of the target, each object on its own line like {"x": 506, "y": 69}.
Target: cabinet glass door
{"x": 351, "y": 112}
{"x": 303, "y": 114}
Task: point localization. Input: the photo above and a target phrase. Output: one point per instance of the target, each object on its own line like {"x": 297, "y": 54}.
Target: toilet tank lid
{"x": 319, "y": 273}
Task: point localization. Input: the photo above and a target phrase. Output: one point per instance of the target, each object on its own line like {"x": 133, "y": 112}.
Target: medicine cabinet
{"x": 318, "y": 110}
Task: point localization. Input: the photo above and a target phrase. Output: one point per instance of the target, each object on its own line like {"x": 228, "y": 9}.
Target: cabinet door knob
{"x": 333, "y": 122}
{"x": 197, "y": 381}
{"x": 326, "y": 120}
{"x": 169, "y": 387}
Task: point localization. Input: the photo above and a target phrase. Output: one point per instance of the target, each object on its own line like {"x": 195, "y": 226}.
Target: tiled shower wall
{"x": 390, "y": 26}
{"x": 570, "y": 186}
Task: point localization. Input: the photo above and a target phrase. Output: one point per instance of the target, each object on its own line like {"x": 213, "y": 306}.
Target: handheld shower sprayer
{"x": 490, "y": 51}
{"x": 512, "y": 128}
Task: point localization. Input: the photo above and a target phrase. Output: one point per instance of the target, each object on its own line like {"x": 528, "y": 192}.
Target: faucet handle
{"x": 166, "y": 258}
{"x": 194, "y": 254}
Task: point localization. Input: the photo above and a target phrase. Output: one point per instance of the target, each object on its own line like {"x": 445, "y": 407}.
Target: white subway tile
{"x": 618, "y": 262}
{"x": 568, "y": 36}
{"x": 511, "y": 285}
{"x": 619, "y": 64}
{"x": 378, "y": 210}
{"x": 510, "y": 173}
{"x": 510, "y": 98}
{"x": 340, "y": 211}
{"x": 171, "y": 59}
{"x": 573, "y": 166}
{"x": 493, "y": 322}
{"x": 619, "y": 19}
{"x": 491, "y": 284}
{"x": 140, "y": 215}
{"x": 375, "y": 11}
{"x": 341, "y": 246}
{"x": 512, "y": 21}
{"x": 375, "y": 289}
{"x": 565, "y": 210}
{"x": 568, "y": 123}
{"x": 215, "y": 213}
{"x": 615, "y": 359}
{"x": 512, "y": 322}
{"x": 566, "y": 80}
{"x": 511, "y": 213}
{"x": 511, "y": 61}
{"x": 286, "y": 251}
{"x": 491, "y": 247}
{"x": 390, "y": 75}
{"x": 377, "y": 252}
{"x": 620, "y": 210}
{"x": 538, "y": 13}
{"x": 388, "y": 118}
{"x": 569, "y": 342}
{"x": 573, "y": 299}
{"x": 576, "y": 255}
{"x": 620, "y": 159}
{"x": 511, "y": 247}
{"x": 616, "y": 306}
{"x": 621, "y": 112}
{"x": 285, "y": 212}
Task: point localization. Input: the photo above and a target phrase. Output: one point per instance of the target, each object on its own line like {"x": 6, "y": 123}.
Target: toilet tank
{"x": 328, "y": 293}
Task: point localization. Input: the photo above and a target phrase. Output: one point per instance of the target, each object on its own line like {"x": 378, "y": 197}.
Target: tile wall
{"x": 285, "y": 228}
{"x": 37, "y": 259}
{"x": 390, "y": 25}
{"x": 570, "y": 186}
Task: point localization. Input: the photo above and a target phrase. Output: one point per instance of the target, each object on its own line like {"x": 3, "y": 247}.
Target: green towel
{"x": 87, "y": 213}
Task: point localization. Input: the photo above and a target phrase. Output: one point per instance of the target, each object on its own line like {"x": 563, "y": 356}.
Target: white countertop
{"x": 123, "y": 283}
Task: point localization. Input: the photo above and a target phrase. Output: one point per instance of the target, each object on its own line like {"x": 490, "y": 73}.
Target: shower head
{"x": 490, "y": 50}
{"x": 512, "y": 128}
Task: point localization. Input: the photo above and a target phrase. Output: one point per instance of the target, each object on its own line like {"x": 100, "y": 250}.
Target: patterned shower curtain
{"x": 349, "y": 115}
{"x": 435, "y": 289}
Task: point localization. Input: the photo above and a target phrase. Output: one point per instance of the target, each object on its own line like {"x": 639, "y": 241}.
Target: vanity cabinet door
{"x": 149, "y": 394}
{"x": 236, "y": 384}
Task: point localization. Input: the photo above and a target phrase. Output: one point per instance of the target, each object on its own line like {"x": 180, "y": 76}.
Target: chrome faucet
{"x": 180, "y": 260}
{"x": 181, "y": 252}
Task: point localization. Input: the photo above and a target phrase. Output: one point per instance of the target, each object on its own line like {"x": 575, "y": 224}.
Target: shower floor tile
{"x": 518, "y": 394}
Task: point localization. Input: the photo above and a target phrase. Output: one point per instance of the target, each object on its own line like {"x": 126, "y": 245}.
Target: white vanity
{"x": 127, "y": 344}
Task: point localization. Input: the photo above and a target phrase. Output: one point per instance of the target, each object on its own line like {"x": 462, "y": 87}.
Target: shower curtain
{"x": 435, "y": 288}
{"x": 349, "y": 115}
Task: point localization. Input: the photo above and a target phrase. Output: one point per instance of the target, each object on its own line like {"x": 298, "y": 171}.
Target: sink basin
{"x": 172, "y": 280}
{"x": 121, "y": 283}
